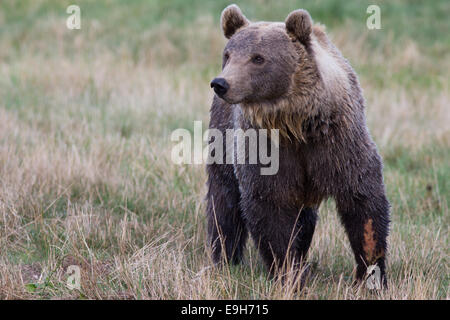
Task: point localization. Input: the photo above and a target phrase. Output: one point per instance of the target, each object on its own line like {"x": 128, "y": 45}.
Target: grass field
{"x": 86, "y": 176}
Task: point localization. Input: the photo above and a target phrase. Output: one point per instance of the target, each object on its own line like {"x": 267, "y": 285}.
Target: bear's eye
{"x": 226, "y": 56}
{"x": 257, "y": 59}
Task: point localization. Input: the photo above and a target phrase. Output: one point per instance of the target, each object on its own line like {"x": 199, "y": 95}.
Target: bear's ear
{"x": 232, "y": 19}
{"x": 299, "y": 24}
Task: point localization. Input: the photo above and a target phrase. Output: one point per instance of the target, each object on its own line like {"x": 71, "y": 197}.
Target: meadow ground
{"x": 86, "y": 176}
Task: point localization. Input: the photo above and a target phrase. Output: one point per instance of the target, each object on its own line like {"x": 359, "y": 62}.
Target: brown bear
{"x": 289, "y": 76}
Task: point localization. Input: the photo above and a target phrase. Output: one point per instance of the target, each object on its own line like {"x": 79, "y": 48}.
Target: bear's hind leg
{"x": 282, "y": 236}
{"x": 307, "y": 224}
{"x": 366, "y": 221}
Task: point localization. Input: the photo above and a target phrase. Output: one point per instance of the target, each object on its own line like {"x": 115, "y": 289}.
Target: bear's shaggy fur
{"x": 289, "y": 76}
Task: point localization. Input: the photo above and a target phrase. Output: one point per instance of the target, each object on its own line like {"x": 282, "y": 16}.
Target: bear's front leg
{"x": 226, "y": 229}
{"x": 366, "y": 221}
{"x": 283, "y": 236}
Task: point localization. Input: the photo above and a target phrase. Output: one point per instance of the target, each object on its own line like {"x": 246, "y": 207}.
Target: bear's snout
{"x": 220, "y": 86}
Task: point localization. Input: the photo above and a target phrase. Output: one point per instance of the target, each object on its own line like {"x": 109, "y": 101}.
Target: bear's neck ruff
{"x": 283, "y": 114}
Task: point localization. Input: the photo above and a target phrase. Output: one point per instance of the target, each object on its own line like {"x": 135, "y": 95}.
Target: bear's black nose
{"x": 220, "y": 86}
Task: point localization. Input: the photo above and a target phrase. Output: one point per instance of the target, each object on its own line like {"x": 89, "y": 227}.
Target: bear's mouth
{"x": 229, "y": 98}
{"x": 230, "y": 101}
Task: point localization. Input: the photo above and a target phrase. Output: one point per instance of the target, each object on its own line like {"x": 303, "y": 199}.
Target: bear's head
{"x": 260, "y": 59}
{"x": 278, "y": 71}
